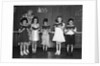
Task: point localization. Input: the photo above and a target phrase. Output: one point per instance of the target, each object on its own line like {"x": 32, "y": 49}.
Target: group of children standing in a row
{"x": 30, "y": 29}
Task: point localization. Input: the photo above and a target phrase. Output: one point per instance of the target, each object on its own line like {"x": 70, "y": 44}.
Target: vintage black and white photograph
{"x": 47, "y": 31}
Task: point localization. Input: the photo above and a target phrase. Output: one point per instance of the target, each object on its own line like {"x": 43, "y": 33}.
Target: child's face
{"x": 70, "y": 22}
{"x": 24, "y": 22}
{"x": 59, "y": 19}
{"x": 35, "y": 20}
{"x": 45, "y": 23}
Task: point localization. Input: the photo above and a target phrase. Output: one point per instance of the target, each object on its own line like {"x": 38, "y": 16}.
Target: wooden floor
{"x": 40, "y": 54}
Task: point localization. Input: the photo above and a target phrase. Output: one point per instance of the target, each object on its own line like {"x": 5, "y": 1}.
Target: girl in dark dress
{"x": 70, "y": 31}
{"x": 24, "y": 36}
{"x": 29, "y": 15}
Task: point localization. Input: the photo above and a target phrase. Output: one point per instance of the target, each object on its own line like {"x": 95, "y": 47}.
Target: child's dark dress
{"x": 70, "y": 36}
{"x": 24, "y": 36}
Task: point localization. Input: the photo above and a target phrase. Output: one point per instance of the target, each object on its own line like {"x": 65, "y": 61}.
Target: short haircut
{"x": 70, "y": 19}
{"x": 45, "y": 20}
{"x": 57, "y": 18}
{"x": 22, "y": 19}
{"x": 35, "y": 17}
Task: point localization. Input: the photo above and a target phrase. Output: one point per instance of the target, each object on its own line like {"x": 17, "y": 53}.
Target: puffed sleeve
{"x": 63, "y": 25}
{"x": 75, "y": 30}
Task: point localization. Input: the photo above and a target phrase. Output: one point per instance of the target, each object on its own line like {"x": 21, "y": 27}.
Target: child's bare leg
{"x": 46, "y": 48}
{"x": 33, "y": 49}
{"x": 57, "y": 48}
{"x": 27, "y": 48}
{"x": 43, "y": 47}
{"x": 21, "y": 49}
{"x": 35, "y": 46}
{"x": 71, "y": 48}
{"x": 60, "y": 47}
{"x": 24, "y": 51}
{"x": 67, "y": 48}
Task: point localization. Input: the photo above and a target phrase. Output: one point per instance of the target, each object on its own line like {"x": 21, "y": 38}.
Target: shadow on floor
{"x": 50, "y": 54}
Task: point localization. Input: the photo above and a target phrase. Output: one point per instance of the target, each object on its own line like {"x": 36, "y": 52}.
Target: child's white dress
{"x": 59, "y": 34}
{"x": 35, "y": 32}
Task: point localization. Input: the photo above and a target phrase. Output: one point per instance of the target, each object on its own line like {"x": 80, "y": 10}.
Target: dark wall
{"x": 66, "y": 11}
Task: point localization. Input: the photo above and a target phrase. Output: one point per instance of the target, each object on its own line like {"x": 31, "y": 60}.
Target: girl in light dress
{"x": 59, "y": 34}
{"x": 45, "y": 34}
{"x": 24, "y": 37}
{"x": 70, "y": 34}
{"x": 35, "y": 33}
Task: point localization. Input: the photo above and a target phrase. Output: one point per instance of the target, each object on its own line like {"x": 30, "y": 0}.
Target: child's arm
{"x": 31, "y": 28}
{"x": 49, "y": 30}
{"x": 63, "y": 25}
{"x": 66, "y": 30}
{"x": 52, "y": 32}
{"x": 21, "y": 30}
{"x": 28, "y": 30}
{"x": 53, "y": 29}
{"x": 75, "y": 30}
{"x": 29, "y": 33}
{"x": 39, "y": 29}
